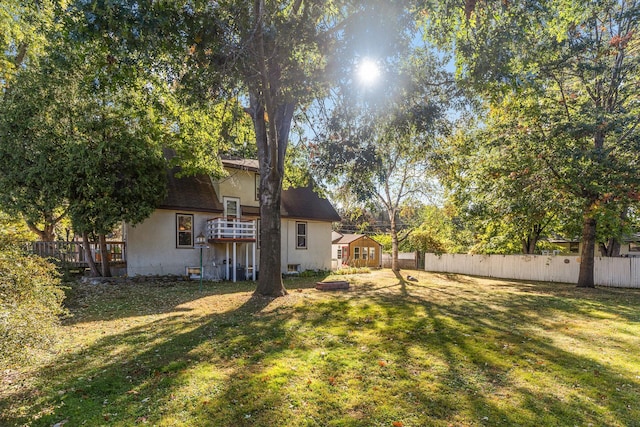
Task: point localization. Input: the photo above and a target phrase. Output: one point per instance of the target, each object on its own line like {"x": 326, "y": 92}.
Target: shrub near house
{"x": 30, "y": 305}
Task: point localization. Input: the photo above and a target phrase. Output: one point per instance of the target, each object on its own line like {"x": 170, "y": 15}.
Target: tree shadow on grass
{"x": 365, "y": 357}
{"x": 100, "y": 302}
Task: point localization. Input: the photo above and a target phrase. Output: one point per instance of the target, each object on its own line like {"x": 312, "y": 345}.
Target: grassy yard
{"x": 447, "y": 350}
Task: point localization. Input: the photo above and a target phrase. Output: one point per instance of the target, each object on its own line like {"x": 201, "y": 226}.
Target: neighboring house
{"x": 630, "y": 246}
{"x": 226, "y": 212}
{"x": 355, "y": 250}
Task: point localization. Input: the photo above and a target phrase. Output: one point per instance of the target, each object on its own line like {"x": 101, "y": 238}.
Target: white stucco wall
{"x": 151, "y": 245}
{"x": 240, "y": 184}
{"x": 317, "y": 255}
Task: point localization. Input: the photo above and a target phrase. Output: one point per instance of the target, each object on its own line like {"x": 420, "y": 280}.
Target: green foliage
{"x": 30, "y": 305}
{"x": 352, "y": 270}
{"x": 33, "y": 161}
{"x": 13, "y": 231}
{"x": 24, "y": 36}
{"x": 84, "y": 131}
{"x": 559, "y": 141}
{"x": 384, "y": 240}
{"x": 313, "y": 273}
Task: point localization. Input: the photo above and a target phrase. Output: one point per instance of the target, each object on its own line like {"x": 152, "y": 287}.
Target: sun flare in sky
{"x": 368, "y": 72}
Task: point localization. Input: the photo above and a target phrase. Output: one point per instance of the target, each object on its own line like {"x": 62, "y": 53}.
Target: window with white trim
{"x": 301, "y": 235}
{"x": 231, "y": 207}
{"x": 184, "y": 231}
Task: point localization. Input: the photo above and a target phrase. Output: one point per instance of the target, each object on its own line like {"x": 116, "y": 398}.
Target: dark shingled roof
{"x": 193, "y": 193}
{"x": 196, "y": 193}
{"x": 304, "y": 203}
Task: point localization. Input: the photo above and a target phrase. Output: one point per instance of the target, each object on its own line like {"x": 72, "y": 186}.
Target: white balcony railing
{"x": 231, "y": 229}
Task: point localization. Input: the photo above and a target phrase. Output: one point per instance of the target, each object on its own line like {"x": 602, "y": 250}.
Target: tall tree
{"x": 577, "y": 64}
{"x": 87, "y": 131}
{"x": 32, "y": 161}
{"x": 493, "y": 174}
{"x": 275, "y": 55}
{"x": 380, "y": 150}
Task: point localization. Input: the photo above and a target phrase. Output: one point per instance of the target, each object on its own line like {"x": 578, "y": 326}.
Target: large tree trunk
{"x": 104, "y": 255}
{"x": 272, "y": 114}
{"x": 270, "y": 278}
{"x": 587, "y": 263}
{"x": 48, "y": 231}
{"x": 271, "y": 159}
{"x": 395, "y": 265}
{"x": 529, "y": 244}
{"x": 89, "y": 256}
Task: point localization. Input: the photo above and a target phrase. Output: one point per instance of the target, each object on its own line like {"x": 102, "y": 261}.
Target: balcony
{"x": 221, "y": 230}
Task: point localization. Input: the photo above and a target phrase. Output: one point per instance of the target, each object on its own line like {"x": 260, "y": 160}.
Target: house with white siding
{"x": 225, "y": 213}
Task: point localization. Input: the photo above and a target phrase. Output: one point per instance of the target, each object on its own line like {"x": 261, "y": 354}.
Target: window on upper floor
{"x": 231, "y": 207}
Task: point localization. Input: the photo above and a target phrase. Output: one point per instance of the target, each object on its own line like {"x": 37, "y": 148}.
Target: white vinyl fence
{"x": 614, "y": 272}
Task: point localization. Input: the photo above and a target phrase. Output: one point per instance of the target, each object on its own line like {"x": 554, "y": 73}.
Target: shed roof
{"x": 345, "y": 239}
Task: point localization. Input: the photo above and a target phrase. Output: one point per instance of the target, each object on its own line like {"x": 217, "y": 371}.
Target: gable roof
{"x": 197, "y": 193}
{"x": 345, "y": 239}
{"x": 304, "y": 203}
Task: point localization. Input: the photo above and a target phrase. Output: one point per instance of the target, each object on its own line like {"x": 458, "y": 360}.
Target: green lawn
{"x": 447, "y": 350}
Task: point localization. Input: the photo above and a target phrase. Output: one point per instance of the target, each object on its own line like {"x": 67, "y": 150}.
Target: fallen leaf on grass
{"x": 332, "y": 381}
{"x": 397, "y": 424}
{"x": 382, "y": 363}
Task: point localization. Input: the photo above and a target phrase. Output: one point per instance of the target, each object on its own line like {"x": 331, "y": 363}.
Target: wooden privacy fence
{"x": 613, "y": 272}
{"x": 72, "y": 254}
